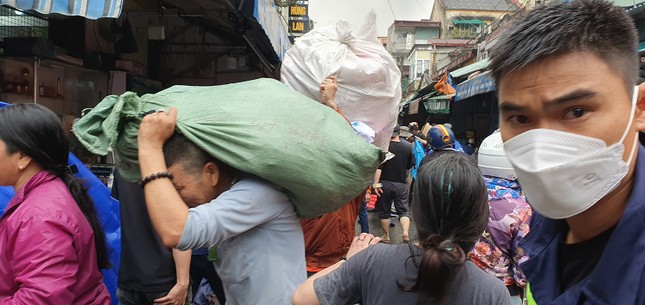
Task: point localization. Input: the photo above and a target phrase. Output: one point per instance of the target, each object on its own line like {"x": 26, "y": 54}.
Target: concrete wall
{"x": 425, "y": 55}
{"x": 446, "y": 16}
{"x": 441, "y": 58}
{"x": 439, "y": 14}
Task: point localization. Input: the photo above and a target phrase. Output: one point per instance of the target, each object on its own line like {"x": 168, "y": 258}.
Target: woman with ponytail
{"x": 450, "y": 211}
{"x": 52, "y": 243}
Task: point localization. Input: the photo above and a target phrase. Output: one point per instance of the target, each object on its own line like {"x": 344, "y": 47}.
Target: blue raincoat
{"x": 619, "y": 276}
{"x": 107, "y": 209}
{"x": 419, "y": 151}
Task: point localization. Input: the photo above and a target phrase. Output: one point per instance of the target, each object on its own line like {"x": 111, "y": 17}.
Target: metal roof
{"x": 480, "y": 5}
{"x": 480, "y": 65}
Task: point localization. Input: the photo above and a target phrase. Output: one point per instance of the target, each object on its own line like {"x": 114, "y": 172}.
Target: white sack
{"x": 369, "y": 81}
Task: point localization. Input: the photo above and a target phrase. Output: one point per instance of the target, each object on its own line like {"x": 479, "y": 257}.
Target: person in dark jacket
{"x": 572, "y": 138}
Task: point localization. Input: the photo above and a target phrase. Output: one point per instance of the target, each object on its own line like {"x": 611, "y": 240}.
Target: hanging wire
{"x": 391, "y": 9}
{"x": 424, "y": 9}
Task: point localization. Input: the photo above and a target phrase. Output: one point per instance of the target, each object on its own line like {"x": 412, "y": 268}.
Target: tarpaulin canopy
{"x": 266, "y": 13}
{"x": 481, "y": 84}
{"x": 90, "y": 9}
{"x": 482, "y": 64}
{"x": 467, "y": 21}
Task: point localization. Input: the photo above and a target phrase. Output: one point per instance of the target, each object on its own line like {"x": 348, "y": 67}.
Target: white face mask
{"x": 564, "y": 174}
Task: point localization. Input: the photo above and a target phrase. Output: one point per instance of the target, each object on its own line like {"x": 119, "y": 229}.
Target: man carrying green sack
{"x": 255, "y": 228}
{"x": 259, "y": 127}
{"x": 228, "y": 167}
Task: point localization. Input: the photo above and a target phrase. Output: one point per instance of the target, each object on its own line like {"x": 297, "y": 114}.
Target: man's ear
{"x": 211, "y": 173}
{"x": 639, "y": 119}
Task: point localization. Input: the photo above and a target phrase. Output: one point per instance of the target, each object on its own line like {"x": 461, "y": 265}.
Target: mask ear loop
{"x": 631, "y": 154}
{"x": 631, "y": 114}
{"x": 629, "y": 125}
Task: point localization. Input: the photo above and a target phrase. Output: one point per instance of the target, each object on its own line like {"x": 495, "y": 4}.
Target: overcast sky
{"x": 328, "y": 12}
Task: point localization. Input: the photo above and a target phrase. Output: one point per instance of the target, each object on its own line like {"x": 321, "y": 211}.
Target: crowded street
{"x": 308, "y": 152}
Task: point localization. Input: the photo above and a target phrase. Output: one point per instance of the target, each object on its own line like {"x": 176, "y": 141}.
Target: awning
{"x": 414, "y": 107}
{"x": 90, "y": 9}
{"x": 482, "y": 64}
{"x": 481, "y": 84}
{"x": 266, "y": 13}
{"x": 467, "y": 21}
{"x": 437, "y": 104}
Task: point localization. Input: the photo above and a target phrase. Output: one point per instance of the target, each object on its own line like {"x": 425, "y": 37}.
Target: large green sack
{"x": 259, "y": 127}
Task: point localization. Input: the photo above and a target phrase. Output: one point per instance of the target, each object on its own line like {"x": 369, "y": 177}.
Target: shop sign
{"x": 299, "y": 26}
{"x": 266, "y": 13}
{"x": 299, "y": 11}
{"x": 478, "y": 85}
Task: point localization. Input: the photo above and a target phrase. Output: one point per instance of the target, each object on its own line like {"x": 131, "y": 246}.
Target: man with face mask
{"x": 570, "y": 116}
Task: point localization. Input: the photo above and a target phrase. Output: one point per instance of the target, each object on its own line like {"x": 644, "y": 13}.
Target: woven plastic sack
{"x": 259, "y": 127}
{"x": 369, "y": 81}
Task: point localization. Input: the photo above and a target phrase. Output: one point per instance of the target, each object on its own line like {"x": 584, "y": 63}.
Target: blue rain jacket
{"x": 419, "y": 151}
{"x": 619, "y": 276}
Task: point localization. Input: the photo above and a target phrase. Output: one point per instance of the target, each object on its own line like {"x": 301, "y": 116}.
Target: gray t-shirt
{"x": 260, "y": 245}
{"x": 372, "y": 275}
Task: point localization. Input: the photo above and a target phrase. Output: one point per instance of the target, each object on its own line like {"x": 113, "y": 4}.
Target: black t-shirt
{"x": 146, "y": 264}
{"x": 578, "y": 260}
{"x": 395, "y": 169}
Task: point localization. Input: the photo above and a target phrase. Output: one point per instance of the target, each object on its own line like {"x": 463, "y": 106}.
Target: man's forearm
{"x": 182, "y": 266}
{"x": 167, "y": 210}
{"x": 377, "y": 176}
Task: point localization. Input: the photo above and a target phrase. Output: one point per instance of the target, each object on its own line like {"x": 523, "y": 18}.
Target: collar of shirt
{"x": 36, "y": 180}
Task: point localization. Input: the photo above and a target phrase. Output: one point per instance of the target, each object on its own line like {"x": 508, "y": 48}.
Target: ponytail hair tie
{"x": 447, "y": 245}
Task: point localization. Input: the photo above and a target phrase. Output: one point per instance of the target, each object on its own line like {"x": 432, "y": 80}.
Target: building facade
{"x": 466, "y": 19}
{"x": 403, "y": 35}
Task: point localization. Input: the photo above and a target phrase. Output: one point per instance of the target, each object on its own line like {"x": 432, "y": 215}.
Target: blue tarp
{"x": 90, "y": 9}
{"x": 481, "y": 84}
{"x": 419, "y": 151}
{"x": 107, "y": 209}
{"x": 266, "y": 13}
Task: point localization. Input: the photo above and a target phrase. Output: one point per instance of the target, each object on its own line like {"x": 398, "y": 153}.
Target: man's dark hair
{"x": 178, "y": 149}
{"x": 597, "y": 26}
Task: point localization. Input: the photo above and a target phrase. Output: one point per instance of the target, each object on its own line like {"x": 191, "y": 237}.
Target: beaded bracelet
{"x": 155, "y": 176}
